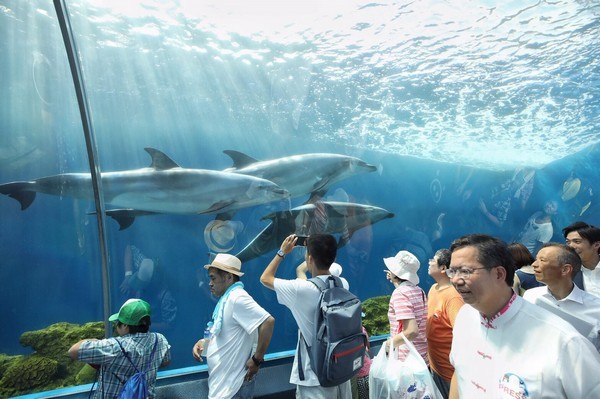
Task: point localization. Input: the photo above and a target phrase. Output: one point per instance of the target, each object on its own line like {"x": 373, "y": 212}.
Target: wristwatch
{"x": 281, "y": 253}
{"x": 257, "y": 361}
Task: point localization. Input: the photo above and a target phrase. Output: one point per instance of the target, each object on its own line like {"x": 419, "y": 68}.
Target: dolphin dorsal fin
{"x": 240, "y": 160}
{"x": 160, "y": 161}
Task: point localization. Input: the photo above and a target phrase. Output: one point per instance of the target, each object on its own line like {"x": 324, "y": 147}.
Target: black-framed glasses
{"x": 465, "y": 274}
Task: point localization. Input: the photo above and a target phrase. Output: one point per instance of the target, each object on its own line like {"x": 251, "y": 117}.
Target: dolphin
{"x": 300, "y": 174}
{"x": 342, "y": 218}
{"x": 163, "y": 187}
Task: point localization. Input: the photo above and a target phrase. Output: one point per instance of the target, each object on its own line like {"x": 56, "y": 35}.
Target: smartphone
{"x": 301, "y": 242}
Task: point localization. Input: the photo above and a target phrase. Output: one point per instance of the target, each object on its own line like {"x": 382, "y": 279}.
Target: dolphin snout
{"x": 367, "y": 166}
{"x": 282, "y": 192}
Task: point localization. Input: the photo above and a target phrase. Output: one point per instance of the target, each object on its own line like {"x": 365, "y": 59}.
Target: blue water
{"x": 448, "y": 99}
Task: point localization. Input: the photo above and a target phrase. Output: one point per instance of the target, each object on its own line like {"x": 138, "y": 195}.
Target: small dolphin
{"x": 342, "y": 218}
{"x": 163, "y": 187}
{"x": 300, "y": 174}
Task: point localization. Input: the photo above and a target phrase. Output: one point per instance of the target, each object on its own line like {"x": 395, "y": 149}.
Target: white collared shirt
{"x": 591, "y": 279}
{"x": 493, "y": 361}
{"x": 578, "y": 303}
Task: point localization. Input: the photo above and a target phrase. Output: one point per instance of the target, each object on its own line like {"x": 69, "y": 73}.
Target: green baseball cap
{"x": 132, "y": 311}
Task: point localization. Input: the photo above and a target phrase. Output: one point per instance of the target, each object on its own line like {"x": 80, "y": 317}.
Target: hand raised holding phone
{"x": 300, "y": 241}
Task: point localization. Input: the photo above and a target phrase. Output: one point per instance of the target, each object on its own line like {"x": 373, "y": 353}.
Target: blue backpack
{"x": 136, "y": 387}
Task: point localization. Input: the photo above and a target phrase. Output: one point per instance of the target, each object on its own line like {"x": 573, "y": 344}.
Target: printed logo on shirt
{"x": 512, "y": 386}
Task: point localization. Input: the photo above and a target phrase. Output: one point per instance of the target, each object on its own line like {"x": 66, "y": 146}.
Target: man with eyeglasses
{"x": 505, "y": 347}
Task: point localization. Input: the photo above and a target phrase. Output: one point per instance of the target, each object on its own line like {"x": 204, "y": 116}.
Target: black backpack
{"x": 337, "y": 350}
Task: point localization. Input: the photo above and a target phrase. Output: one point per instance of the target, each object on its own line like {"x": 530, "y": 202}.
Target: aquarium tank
{"x": 140, "y": 138}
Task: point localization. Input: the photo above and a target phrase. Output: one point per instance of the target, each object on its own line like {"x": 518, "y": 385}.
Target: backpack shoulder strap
{"x": 323, "y": 285}
{"x": 126, "y": 355}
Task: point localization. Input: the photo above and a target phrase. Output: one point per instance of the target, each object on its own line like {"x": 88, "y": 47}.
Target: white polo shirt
{"x": 523, "y": 352}
{"x": 578, "y": 303}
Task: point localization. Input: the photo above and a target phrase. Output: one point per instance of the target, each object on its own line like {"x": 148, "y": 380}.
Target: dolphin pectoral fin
{"x": 126, "y": 217}
{"x": 317, "y": 188}
{"x": 124, "y": 220}
{"x": 345, "y": 239}
{"x": 217, "y": 206}
{"x": 20, "y": 191}
{"x": 160, "y": 161}
{"x": 316, "y": 195}
{"x": 25, "y": 198}
{"x": 240, "y": 160}
{"x": 225, "y": 216}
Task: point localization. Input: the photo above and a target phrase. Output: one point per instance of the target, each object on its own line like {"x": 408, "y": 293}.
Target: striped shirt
{"x": 408, "y": 301}
{"x": 116, "y": 369}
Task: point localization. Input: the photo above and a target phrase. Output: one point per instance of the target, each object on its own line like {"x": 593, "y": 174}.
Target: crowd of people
{"x": 481, "y": 334}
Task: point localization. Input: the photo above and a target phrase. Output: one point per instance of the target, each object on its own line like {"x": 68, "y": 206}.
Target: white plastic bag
{"x": 392, "y": 378}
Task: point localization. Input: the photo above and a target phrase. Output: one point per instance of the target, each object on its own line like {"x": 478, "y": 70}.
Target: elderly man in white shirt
{"x": 555, "y": 266}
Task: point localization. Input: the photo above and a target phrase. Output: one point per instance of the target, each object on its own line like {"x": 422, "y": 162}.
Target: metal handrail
{"x": 90, "y": 143}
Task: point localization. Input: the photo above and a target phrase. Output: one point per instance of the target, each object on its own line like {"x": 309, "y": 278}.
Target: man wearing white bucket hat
{"x": 407, "y": 311}
{"x": 239, "y": 325}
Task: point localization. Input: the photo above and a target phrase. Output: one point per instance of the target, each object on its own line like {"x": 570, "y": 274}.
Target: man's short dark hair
{"x": 566, "y": 255}
{"x": 323, "y": 249}
{"x": 143, "y": 327}
{"x": 587, "y": 231}
{"x": 492, "y": 252}
{"x": 443, "y": 257}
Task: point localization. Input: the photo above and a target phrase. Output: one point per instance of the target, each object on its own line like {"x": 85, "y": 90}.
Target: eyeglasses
{"x": 465, "y": 274}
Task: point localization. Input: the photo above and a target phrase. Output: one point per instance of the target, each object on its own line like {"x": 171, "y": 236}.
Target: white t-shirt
{"x": 229, "y": 351}
{"x": 301, "y": 296}
{"x": 524, "y": 352}
{"x": 591, "y": 280}
{"x": 578, "y": 303}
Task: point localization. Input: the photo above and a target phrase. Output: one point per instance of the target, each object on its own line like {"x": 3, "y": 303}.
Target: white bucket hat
{"x": 404, "y": 266}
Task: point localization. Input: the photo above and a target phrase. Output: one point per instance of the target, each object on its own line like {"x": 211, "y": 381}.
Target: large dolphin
{"x": 163, "y": 187}
{"x": 343, "y": 218}
{"x": 300, "y": 174}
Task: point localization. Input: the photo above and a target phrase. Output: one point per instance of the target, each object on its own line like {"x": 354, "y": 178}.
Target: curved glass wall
{"x": 468, "y": 116}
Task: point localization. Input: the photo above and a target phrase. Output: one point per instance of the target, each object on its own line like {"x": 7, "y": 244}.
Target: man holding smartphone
{"x": 301, "y": 297}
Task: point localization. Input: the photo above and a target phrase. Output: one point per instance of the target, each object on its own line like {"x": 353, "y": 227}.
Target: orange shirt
{"x": 442, "y": 307}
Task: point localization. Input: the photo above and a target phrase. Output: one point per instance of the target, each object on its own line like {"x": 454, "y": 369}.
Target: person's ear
{"x": 500, "y": 273}
{"x": 566, "y": 269}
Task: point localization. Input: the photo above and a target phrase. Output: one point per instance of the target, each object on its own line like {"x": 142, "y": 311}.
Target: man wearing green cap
{"x": 131, "y": 324}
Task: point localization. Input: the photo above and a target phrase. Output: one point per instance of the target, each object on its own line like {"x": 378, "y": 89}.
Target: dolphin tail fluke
{"x": 19, "y": 191}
